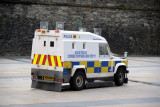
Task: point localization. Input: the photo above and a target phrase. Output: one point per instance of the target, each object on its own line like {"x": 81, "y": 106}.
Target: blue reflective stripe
{"x": 116, "y": 62}
{"x": 104, "y": 64}
{"x": 66, "y": 71}
{"x": 75, "y": 63}
{"x": 109, "y": 69}
{"x": 90, "y": 64}
{"x": 97, "y": 69}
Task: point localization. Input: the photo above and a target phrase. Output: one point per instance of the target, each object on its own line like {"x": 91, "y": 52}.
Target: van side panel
{"x": 91, "y": 67}
{"x": 77, "y": 53}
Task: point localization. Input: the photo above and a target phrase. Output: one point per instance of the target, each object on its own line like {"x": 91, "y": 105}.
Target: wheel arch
{"x": 77, "y": 69}
{"x": 119, "y": 65}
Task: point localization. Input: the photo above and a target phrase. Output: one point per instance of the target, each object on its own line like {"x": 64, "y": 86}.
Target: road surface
{"x": 142, "y": 90}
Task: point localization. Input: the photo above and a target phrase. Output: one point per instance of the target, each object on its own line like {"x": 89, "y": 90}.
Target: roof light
{"x": 74, "y": 36}
{"x": 56, "y": 31}
{"x": 39, "y": 30}
{"x": 43, "y": 31}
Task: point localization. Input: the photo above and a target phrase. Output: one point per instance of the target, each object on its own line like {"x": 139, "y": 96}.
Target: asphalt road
{"x": 142, "y": 90}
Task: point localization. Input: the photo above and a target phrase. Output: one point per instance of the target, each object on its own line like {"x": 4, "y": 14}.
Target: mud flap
{"x": 47, "y": 86}
{"x": 126, "y": 80}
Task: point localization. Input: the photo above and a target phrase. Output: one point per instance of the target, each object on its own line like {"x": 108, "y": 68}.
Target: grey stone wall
{"x": 132, "y": 26}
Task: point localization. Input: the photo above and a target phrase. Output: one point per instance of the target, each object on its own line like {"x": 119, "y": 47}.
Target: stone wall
{"x": 128, "y": 25}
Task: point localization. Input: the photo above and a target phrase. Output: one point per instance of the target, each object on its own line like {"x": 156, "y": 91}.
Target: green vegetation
{"x": 122, "y": 6}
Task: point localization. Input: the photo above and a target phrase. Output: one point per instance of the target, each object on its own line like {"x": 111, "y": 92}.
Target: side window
{"x": 44, "y": 43}
{"x": 73, "y": 45}
{"x": 84, "y": 45}
{"x": 103, "y": 49}
{"x": 51, "y": 43}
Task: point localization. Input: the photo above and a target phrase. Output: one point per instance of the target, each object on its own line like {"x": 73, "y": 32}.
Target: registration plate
{"x": 48, "y": 78}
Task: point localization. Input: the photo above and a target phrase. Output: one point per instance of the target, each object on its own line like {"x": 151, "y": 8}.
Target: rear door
{"x": 51, "y": 49}
{"x": 40, "y": 52}
{"x": 44, "y": 52}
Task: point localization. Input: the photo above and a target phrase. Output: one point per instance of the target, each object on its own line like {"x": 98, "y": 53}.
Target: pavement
{"x": 142, "y": 90}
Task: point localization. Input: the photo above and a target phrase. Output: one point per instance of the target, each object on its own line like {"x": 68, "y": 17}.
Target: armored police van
{"x": 74, "y": 57}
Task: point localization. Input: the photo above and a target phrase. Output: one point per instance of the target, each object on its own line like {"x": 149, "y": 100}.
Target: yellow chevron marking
{"x": 59, "y": 61}
{"x": 52, "y": 60}
{"x": 47, "y": 63}
{"x": 41, "y": 60}
{"x": 35, "y": 59}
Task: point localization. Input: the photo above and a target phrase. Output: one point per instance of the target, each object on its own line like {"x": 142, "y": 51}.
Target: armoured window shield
{"x": 84, "y": 45}
{"x": 59, "y": 25}
{"x": 73, "y": 45}
{"x": 44, "y": 43}
{"x": 44, "y": 25}
{"x": 103, "y": 49}
{"x": 97, "y": 31}
{"x": 109, "y": 51}
{"x": 52, "y": 44}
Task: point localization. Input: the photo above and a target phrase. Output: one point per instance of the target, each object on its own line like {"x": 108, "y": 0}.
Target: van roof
{"x": 81, "y": 35}
{"x": 72, "y": 35}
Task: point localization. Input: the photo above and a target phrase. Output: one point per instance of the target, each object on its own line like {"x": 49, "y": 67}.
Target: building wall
{"x": 128, "y": 25}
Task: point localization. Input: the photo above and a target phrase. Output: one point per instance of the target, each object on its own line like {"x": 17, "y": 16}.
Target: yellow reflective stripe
{"x": 109, "y": 63}
{"x": 59, "y": 61}
{"x": 41, "y": 60}
{"x": 104, "y": 69}
{"x": 67, "y": 64}
{"x": 125, "y": 62}
{"x": 35, "y": 59}
{"x": 47, "y": 63}
{"x": 113, "y": 63}
{"x": 52, "y": 60}
{"x": 83, "y": 63}
{"x": 97, "y": 63}
{"x": 90, "y": 70}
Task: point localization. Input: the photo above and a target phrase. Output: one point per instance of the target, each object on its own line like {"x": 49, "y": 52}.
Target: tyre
{"x": 119, "y": 77}
{"x": 77, "y": 82}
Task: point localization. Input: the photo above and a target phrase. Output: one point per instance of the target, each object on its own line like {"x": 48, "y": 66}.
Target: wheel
{"x": 119, "y": 77}
{"x": 77, "y": 82}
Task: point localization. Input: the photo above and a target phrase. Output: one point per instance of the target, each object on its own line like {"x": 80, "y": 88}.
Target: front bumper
{"x": 127, "y": 71}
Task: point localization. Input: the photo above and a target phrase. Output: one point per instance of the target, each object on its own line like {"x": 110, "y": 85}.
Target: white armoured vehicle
{"x": 73, "y": 57}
